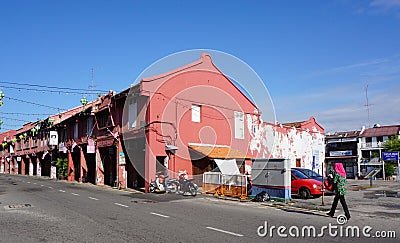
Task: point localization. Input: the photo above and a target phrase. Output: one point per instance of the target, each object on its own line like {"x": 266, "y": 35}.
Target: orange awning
{"x": 218, "y": 151}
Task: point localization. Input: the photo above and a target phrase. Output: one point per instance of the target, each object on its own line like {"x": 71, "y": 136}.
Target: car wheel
{"x": 304, "y": 193}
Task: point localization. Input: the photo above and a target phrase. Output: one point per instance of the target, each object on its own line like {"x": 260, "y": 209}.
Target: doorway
{"x": 76, "y": 159}
{"x": 109, "y": 160}
{"x": 298, "y": 163}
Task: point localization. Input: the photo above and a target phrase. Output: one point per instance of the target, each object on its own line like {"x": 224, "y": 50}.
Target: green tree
{"x": 392, "y": 144}
{"x": 62, "y": 167}
{"x": 389, "y": 169}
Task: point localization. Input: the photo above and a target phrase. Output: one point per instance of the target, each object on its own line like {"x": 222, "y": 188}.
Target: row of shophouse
{"x": 186, "y": 119}
{"x": 360, "y": 151}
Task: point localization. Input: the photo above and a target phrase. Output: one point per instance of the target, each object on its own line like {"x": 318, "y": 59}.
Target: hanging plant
{"x": 4, "y": 144}
{"x": 14, "y": 140}
{"x": 33, "y": 131}
{"x": 51, "y": 121}
{"x": 1, "y": 97}
{"x": 21, "y": 136}
{"x": 84, "y": 102}
{"x": 25, "y": 135}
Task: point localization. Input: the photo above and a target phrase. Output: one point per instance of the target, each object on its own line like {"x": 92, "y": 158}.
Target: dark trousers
{"x": 344, "y": 205}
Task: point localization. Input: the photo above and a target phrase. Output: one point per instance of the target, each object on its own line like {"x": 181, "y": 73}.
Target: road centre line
{"x": 160, "y": 215}
{"x": 61, "y": 190}
{"x": 50, "y": 187}
{"x": 122, "y": 205}
{"x": 41, "y": 185}
{"x": 224, "y": 231}
{"x": 75, "y": 194}
{"x": 28, "y": 182}
{"x": 93, "y": 198}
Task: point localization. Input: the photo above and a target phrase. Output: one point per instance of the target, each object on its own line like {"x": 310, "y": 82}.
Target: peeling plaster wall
{"x": 277, "y": 141}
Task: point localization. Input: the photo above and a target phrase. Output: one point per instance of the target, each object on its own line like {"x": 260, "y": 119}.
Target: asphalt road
{"x": 40, "y": 210}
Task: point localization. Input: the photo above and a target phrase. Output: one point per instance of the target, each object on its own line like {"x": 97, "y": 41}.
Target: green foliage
{"x": 393, "y": 144}
{"x": 374, "y": 155}
{"x": 62, "y": 167}
{"x": 389, "y": 169}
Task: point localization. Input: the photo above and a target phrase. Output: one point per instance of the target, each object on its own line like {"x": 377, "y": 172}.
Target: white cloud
{"x": 387, "y": 4}
{"x": 365, "y": 64}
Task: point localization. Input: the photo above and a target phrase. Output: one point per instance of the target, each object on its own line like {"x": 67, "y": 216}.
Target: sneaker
{"x": 329, "y": 214}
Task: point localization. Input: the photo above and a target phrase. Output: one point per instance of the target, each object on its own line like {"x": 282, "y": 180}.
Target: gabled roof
{"x": 301, "y": 124}
{"x": 293, "y": 124}
{"x": 205, "y": 63}
{"x": 381, "y": 131}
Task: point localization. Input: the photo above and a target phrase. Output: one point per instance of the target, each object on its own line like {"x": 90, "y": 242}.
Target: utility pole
{"x": 91, "y": 87}
{"x": 367, "y": 105}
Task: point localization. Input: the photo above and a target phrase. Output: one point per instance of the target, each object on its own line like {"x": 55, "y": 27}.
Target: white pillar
{"x": 30, "y": 167}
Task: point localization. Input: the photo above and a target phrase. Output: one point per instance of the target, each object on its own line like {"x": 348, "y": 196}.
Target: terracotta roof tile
{"x": 381, "y": 131}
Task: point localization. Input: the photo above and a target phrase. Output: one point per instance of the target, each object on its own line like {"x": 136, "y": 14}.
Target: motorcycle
{"x": 185, "y": 185}
{"x": 162, "y": 185}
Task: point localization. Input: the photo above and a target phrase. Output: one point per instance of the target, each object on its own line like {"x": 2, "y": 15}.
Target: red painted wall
{"x": 170, "y": 115}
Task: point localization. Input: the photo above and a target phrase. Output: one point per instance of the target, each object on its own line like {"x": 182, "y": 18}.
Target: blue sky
{"x": 316, "y": 58}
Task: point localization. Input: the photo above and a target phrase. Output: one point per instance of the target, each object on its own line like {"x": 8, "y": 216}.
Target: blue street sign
{"x": 390, "y": 156}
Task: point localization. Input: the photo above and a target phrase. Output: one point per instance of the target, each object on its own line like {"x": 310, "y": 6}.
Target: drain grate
{"x": 18, "y": 206}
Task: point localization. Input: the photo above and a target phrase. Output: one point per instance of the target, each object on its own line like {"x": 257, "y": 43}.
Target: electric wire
{"x": 55, "y": 87}
{"x": 32, "y": 103}
{"x": 26, "y": 114}
{"x": 13, "y": 119}
{"x": 48, "y": 91}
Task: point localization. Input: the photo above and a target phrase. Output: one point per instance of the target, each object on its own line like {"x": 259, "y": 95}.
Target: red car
{"x": 304, "y": 186}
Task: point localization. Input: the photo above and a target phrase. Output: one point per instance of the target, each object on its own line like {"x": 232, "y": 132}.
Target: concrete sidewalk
{"x": 382, "y": 199}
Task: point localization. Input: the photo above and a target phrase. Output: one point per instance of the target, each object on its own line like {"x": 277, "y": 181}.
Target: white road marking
{"x": 122, "y": 205}
{"x": 34, "y": 183}
{"x": 75, "y": 194}
{"x": 41, "y": 185}
{"x": 93, "y": 198}
{"x": 224, "y": 231}
{"x": 61, "y": 190}
{"x": 50, "y": 187}
{"x": 28, "y": 182}
{"x": 157, "y": 214}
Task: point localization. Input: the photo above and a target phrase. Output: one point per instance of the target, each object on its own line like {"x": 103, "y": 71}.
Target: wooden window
{"x": 132, "y": 114}
{"x": 89, "y": 126}
{"x": 76, "y": 131}
{"x": 102, "y": 119}
{"x": 239, "y": 125}
{"x": 196, "y": 109}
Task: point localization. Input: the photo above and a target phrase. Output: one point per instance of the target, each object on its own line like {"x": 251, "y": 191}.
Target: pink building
{"x": 186, "y": 118}
{"x": 6, "y": 164}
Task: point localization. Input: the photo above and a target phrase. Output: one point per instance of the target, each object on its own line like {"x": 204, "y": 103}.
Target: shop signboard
{"x": 387, "y": 156}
